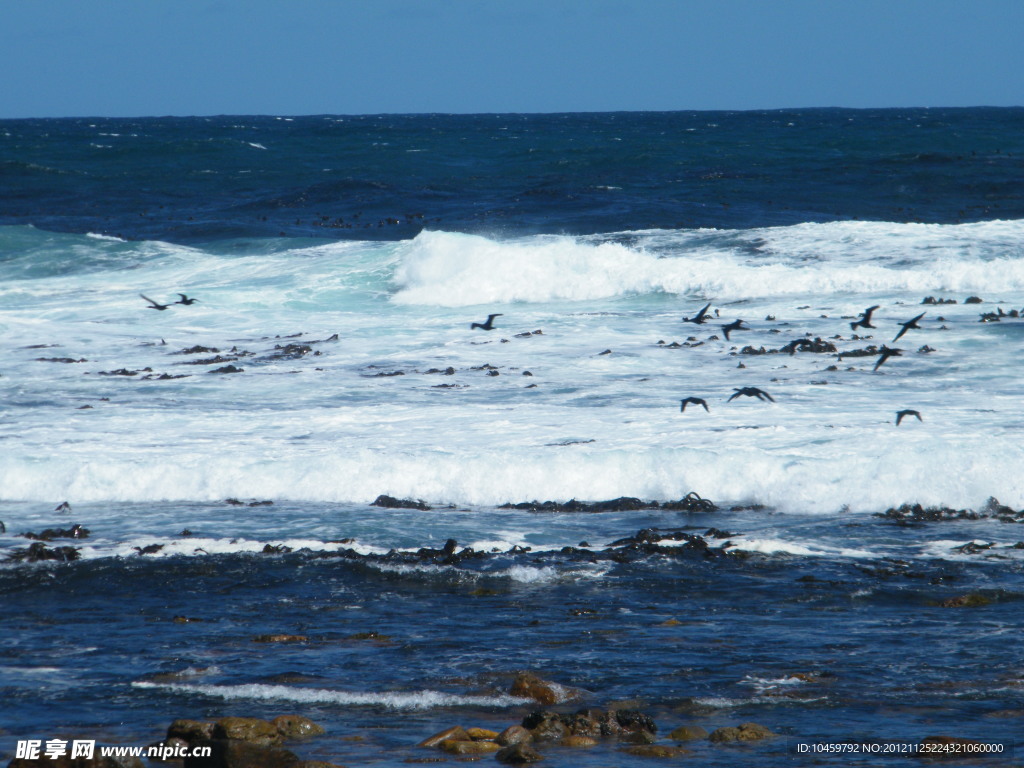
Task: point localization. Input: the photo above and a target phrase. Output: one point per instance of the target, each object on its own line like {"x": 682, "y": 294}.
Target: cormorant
{"x": 760, "y": 394}
{"x": 907, "y": 412}
{"x": 908, "y": 325}
{"x": 694, "y": 401}
{"x": 486, "y": 326}
{"x": 865, "y": 319}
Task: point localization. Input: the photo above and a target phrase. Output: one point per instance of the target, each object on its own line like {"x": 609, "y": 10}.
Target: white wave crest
{"x": 452, "y": 270}
{"x": 417, "y": 700}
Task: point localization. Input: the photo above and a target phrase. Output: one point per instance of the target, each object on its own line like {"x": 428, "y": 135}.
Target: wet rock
{"x": 519, "y": 753}
{"x": 235, "y": 753}
{"x": 248, "y": 729}
{"x": 481, "y": 734}
{"x": 275, "y": 549}
{"x": 457, "y": 747}
{"x": 455, "y": 733}
{"x": 190, "y": 730}
{"x": 279, "y": 638}
{"x": 743, "y": 732}
{"x": 972, "y": 600}
{"x": 578, "y": 741}
{"x": 392, "y": 503}
{"x": 529, "y": 686}
{"x": 691, "y": 502}
{"x": 545, "y": 726}
{"x": 228, "y": 369}
{"x": 514, "y": 734}
{"x": 655, "y": 750}
{"x": 972, "y": 300}
{"x": 688, "y": 733}
{"x": 296, "y": 727}
{"x": 39, "y": 551}
{"x": 49, "y": 534}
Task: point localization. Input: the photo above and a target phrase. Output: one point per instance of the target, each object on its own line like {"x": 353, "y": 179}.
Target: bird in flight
{"x": 760, "y": 394}
{"x": 153, "y": 304}
{"x": 907, "y": 412}
{"x": 693, "y": 401}
{"x": 864, "y": 321}
{"x": 886, "y": 353}
{"x": 735, "y": 325}
{"x": 908, "y": 325}
{"x": 185, "y": 300}
{"x": 488, "y": 325}
{"x": 701, "y": 317}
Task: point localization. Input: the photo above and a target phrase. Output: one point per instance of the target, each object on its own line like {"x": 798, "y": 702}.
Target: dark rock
{"x": 545, "y": 726}
{"x": 49, "y": 534}
{"x": 234, "y": 753}
{"x": 39, "y": 551}
{"x": 519, "y": 753}
{"x": 228, "y": 369}
{"x": 249, "y": 729}
{"x": 392, "y": 503}
{"x": 296, "y": 727}
{"x": 278, "y": 638}
{"x": 190, "y": 730}
{"x": 972, "y": 300}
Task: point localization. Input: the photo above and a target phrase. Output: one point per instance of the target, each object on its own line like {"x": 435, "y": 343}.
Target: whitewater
{"x": 575, "y": 394}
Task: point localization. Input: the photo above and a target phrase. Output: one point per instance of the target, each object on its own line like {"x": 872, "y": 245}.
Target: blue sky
{"x": 291, "y": 57}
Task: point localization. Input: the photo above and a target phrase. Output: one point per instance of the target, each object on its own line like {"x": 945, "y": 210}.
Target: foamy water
{"x": 362, "y": 404}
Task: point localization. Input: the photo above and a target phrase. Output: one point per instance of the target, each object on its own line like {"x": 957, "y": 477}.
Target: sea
{"x": 257, "y": 457}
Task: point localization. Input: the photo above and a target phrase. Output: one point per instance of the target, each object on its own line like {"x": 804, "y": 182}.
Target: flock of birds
{"x": 863, "y": 321}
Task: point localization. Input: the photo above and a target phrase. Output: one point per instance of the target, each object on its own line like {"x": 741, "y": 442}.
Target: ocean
{"x": 317, "y": 489}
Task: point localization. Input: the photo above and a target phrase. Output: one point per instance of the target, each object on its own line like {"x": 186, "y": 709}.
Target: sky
{"x": 133, "y": 58}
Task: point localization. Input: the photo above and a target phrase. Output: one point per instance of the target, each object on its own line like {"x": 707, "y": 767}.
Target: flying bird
{"x": 908, "y": 325}
{"x": 907, "y": 412}
{"x": 864, "y": 321}
{"x": 701, "y": 317}
{"x": 488, "y": 325}
{"x": 760, "y": 394}
{"x": 185, "y": 300}
{"x": 886, "y": 353}
{"x": 735, "y": 325}
{"x": 153, "y": 304}
{"x": 693, "y": 401}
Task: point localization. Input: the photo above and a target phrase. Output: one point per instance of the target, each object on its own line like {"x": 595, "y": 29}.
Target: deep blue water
{"x": 798, "y": 605}
{"x": 369, "y": 177}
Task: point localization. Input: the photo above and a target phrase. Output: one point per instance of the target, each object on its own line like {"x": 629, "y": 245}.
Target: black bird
{"x": 886, "y": 353}
{"x": 864, "y": 321}
{"x": 487, "y": 326}
{"x": 907, "y": 412}
{"x": 63, "y": 507}
{"x": 701, "y": 317}
{"x": 694, "y": 401}
{"x": 153, "y": 304}
{"x": 185, "y": 300}
{"x": 760, "y": 394}
{"x": 735, "y": 325}
{"x": 908, "y": 325}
